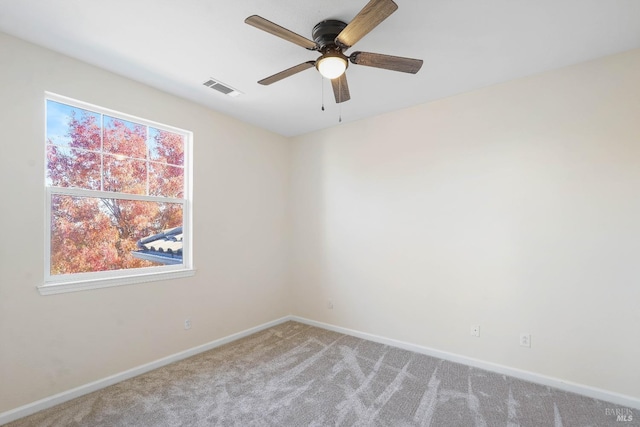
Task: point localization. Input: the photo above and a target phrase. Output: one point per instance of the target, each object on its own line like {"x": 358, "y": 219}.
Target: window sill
{"x": 64, "y": 287}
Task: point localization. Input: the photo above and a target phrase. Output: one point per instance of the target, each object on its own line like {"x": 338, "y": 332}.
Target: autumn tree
{"x": 90, "y": 233}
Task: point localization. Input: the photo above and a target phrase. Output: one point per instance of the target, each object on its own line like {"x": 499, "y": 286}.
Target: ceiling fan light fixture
{"x": 331, "y": 66}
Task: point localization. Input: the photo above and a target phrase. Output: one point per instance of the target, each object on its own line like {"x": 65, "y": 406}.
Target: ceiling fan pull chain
{"x": 340, "y": 103}
{"x": 322, "y": 86}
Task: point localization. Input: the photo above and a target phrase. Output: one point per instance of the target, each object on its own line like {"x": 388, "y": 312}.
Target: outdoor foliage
{"x": 97, "y": 234}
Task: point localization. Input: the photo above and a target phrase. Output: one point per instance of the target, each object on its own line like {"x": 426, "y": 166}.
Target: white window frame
{"x": 61, "y": 283}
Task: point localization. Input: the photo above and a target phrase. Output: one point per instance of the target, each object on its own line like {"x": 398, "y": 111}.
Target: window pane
{"x": 69, "y": 167}
{"x": 165, "y": 180}
{"x": 91, "y": 234}
{"x": 125, "y": 138}
{"x": 72, "y": 126}
{"x": 166, "y": 147}
{"x": 125, "y": 175}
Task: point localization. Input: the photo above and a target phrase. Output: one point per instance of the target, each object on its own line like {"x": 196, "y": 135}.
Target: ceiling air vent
{"x": 221, "y": 87}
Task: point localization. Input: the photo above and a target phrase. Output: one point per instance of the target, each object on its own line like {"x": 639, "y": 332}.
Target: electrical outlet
{"x": 475, "y": 330}
{"x": 187, "y": 323}
{"x": 330, "y": 304}
{"x": 525, "y": 340}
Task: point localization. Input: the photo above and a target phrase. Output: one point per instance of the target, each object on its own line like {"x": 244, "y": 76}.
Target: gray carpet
{"x": 298, "y": 375}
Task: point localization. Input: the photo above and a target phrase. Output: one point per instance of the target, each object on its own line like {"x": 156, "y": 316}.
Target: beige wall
{"x": 515, "y": 207}
{"x": 49, "y": 344}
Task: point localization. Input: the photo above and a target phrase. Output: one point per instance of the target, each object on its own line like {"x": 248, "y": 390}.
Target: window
{"x": 117, "y": 197}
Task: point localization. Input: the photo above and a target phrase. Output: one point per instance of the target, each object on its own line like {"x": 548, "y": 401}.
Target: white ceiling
{"x": 465, "y": 44}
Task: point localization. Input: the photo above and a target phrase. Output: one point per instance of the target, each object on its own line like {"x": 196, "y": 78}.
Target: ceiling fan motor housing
{"x": 325, "y": 33}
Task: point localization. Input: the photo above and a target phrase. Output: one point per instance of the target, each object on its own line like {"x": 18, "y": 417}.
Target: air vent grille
{"x": 221, "y": 87}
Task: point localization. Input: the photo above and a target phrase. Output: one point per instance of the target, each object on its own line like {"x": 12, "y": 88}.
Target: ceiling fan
{"x": 332, "y": 38}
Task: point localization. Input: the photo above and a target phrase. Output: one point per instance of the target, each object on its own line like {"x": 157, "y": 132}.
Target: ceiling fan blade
{"x": 287, "y": 73}
{"x": 394, "y": 63}
{"x": 366, "y": 20}
{"x": 275, "y": 29}
{"x": 341, "y": 88}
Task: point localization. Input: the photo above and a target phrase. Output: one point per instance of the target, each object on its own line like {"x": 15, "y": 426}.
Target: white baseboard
{"x": 48, "y": 402}
{"x": 596, "y": 393}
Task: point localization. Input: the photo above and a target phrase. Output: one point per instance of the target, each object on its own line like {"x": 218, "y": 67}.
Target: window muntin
{"x": 113, "y": 182}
